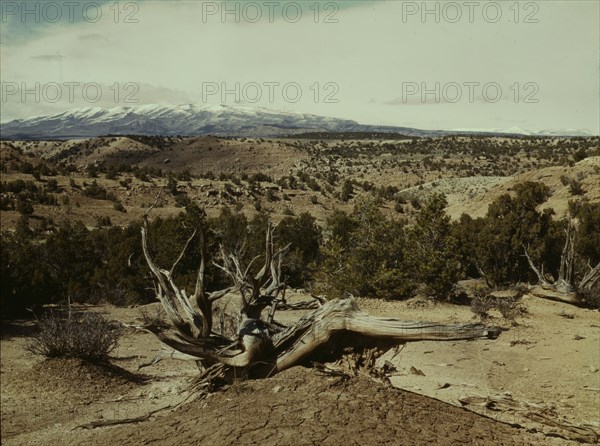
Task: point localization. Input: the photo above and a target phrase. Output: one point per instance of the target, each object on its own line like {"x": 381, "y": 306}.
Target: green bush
{"x": 365, "y": 254}
{"x": 304, "y": 237}
{"x": 24, "y": 207}
{"x": 511, "y": 223}
{"x": 347, "y": 190}
{"x": 433, "y": 249}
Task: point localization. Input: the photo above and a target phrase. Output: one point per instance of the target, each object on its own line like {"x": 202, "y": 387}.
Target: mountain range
{"x": 218, "y": 120}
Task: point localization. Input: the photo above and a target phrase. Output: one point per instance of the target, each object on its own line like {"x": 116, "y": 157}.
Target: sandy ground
{"x": 547, "y": 364}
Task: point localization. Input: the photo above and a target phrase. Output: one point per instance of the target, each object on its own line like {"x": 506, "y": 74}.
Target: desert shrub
{"x": 465, "y": 231}
{"x": 184, "y": 176}
{"x": 103, "y": 220}
{"x": 591, "y": 297}
{"x": 96, "y": 191}
{"x": 365, "y": 254}
{"x": 415, "y": 202}
{"x": 587, "y": 241}
{"x": 258, "y": 177}
{"x": 231, "y": 228}
{"x": 580, "y": 155}
{"x": 313, "y": 184}
{"x": 154, "y": 320}
{"x": 118, "y": 206}
{"x": 52, "y": 186}
{"x": 18, "y": 186}
{"x": 340, "y": 226}
{"x": 86, "y": 336}
{"x": 576, "y": 187}
{"x": 72, "y": 262}
{"x": 347, "y": 190}
{"x": 6, "y": 204}
{"x": 23, "y": 206}
{"x": 433, "y": 249}
{"x": 141, "y": 174}
{"x": 303, "y": 235}
{"x": 271, "y": 196}
{"x": 112, "y": 172}
{"x": 182, "y": 200}
{"x": 172, "y": 185}
{"x": 26, "y": 280}
{"x": 481, "y": 304}
{"x": 511, "y": 223}
{"x": 92, "y": 171}
{"x": 575, "y": 184}
{"x": 509, "y": 307}
{"x": 25, "y": 167}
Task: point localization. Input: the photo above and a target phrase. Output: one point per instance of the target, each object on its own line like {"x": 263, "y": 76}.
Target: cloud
{"x": 33, "y": 99}
{"x": 170, "y": 53}
{"x": 95, "y": 37}
{"x": 48, "y": 57}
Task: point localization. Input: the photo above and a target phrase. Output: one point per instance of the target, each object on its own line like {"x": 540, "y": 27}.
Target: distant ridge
{"x": 197, "y": 120}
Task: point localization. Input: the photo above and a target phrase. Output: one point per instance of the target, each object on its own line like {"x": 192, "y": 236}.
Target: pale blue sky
{"x": 373, "y": 57}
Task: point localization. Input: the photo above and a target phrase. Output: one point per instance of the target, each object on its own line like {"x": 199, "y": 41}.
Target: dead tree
{"x": 563, "y": 288}
{"x": 263, "y": 347}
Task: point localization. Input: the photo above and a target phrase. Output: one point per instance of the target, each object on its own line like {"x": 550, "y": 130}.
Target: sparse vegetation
{"x": 356, "y": 216}
{"x": 359, "y": 251}
{"x": 509, "y": 306}
{"x": 85, "y": 336}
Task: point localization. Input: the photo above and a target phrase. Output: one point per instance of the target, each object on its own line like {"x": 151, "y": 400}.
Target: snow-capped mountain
{"x": 185, "y": 120}
{"x": 523, "y": 132}
{"x": 192, "y": 120}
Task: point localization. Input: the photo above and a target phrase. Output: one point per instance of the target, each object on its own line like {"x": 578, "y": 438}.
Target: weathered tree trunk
{"x": 264, "y": 347}
{"x": 563, "y": 289}
{"x": 340, "y": 323}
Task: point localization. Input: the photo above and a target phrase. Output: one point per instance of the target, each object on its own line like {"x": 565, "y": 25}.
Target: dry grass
{"x": 85, "y": 336}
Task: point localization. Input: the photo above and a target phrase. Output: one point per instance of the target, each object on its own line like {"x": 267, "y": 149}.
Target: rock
{"x": 593, "y": 369}
{"x": 276, "y": 389}
{"x": 416, "y": 371}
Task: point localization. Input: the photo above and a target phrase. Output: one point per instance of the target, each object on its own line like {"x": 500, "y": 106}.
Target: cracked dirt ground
{"x": 43, "y": 402}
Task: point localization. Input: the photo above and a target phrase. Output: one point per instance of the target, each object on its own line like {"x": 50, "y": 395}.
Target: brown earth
{"x": 588, "y": 170}
{"x": 549, "y": 360}
{"x": 471, "y": 195}
{"x": 543, "y": 370}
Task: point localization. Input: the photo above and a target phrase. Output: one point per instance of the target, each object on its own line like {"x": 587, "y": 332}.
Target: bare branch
{"x": 539, "y": 275}
{"x": 165, "y": 294}
{"x": 567, "y": 256}
{"x": 182, "y": 252}
{"x": 268, "y": 253}
{"x": 590, "y": 279}
{"x": 155, "y": 202}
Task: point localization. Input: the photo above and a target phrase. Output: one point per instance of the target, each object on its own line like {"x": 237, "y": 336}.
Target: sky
{"x": 430, "y": 65}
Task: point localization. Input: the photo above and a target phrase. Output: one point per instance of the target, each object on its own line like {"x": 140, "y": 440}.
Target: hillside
{"x": 586, "y": 171}
{"x": 536, "y": 384}
{"x": 290, "y": 176}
